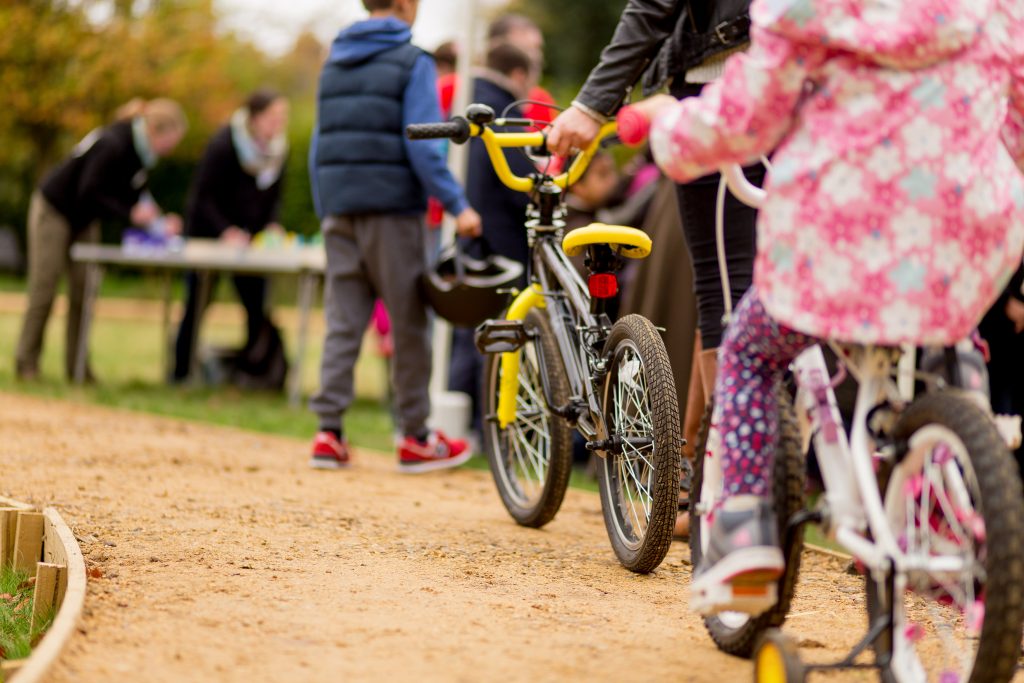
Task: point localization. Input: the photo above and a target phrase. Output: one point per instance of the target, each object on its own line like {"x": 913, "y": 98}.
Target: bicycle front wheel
{"x": 639, "y": 476}
{"x": 954, "y": 503}
{"x": 531, "y": 459}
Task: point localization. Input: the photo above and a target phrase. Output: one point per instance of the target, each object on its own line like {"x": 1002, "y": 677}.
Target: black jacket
{"x": 101, "y": 181}
{"x": 502, "y": 210}
{"x": 224, "y": 194}
{"x": 664, "y": 38}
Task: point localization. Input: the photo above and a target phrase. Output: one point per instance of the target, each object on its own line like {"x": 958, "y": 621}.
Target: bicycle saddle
{"x": 631, "y": 243}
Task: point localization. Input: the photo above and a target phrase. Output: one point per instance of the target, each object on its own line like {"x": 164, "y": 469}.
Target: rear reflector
{"x": 603, "y": 285}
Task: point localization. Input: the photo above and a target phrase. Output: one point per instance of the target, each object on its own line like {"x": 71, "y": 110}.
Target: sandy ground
{"x": 224, "y": 558}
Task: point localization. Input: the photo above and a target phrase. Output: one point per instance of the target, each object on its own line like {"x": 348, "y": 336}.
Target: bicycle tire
{"x": 730, "y": 632}
{"x": 556, "y": 454}
{"x": 641, "y": 550}
{"x": 999, "y": 490}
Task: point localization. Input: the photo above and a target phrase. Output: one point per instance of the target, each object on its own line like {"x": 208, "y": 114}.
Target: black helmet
{"x": 465, "y": 290}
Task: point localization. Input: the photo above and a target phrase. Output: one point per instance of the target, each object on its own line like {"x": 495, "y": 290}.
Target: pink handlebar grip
{"x": 633, "y": 126}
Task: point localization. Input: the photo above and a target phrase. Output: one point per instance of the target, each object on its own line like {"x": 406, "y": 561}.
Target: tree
{"x": 62, "y": 75}
{"x": 575, "y": 31}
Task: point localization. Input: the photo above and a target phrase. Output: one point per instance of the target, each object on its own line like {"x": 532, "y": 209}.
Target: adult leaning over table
{"x": 104, "y": 179}
{"x": 235, "y": 195}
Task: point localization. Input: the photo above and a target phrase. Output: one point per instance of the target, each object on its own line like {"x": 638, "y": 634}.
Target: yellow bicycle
{"x": 557, "y": 362}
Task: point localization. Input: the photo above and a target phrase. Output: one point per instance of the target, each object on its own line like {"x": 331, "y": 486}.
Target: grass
{"x": 16, "y": 633}
{"x": 127, "y": 358}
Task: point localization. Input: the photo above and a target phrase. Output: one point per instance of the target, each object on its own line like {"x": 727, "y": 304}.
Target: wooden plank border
{"x": 70, "y": 610}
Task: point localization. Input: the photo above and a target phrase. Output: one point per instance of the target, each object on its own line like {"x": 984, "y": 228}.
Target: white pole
{"x": 446, "y": 405}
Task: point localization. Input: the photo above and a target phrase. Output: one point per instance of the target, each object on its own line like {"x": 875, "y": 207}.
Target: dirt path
{"x": 225, "y": 559}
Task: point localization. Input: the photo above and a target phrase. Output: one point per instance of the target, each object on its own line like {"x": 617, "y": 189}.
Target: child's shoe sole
{"x": 433, "y": 465}
{"x": 328, "y": 464}
{"x": 745, "y": 580}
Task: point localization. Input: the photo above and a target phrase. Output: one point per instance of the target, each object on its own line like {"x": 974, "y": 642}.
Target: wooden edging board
{"x": 59, "y": 547}
{"x": 839, "y": 555}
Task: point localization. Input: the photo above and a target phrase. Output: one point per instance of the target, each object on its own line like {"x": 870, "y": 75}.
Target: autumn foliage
{"x": 65, "y": 67}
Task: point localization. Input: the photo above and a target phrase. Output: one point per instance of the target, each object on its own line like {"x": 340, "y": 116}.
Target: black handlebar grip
{"x": 457, "y": 130}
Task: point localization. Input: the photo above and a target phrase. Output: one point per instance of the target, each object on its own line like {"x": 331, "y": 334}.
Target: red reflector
{"x": 603, "y": 285}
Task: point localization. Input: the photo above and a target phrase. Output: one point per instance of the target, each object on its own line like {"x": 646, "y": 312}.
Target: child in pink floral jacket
{"x": 895, "y": 208}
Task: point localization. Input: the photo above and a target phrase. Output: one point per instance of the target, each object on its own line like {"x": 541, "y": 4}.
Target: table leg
{"x": 93, "y": 278}
{"x": 165, "y": 329}
{"x": 307, "y": 290}
{"x": 204, "y": 299}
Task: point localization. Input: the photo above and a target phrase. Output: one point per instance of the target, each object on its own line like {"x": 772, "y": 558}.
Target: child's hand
{"x": 468, "y": 224}
{"x": 144, "y": 213}
{"x": 172, "y": 224}
{"x": 235, "y": 237}
{"x": 654, "y": 105}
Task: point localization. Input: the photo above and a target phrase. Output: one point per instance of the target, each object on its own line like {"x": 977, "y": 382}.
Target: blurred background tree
{"x": 64, "y": 72}
{"x": 575, "y": 32}
{"x": 67, "y": 65}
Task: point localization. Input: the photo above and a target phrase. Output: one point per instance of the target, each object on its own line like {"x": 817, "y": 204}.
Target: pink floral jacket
{"x": 896, "y": 207}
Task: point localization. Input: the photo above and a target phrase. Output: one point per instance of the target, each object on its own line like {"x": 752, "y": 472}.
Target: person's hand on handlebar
{"x": 468, "y": 223}
{"x": 572, "y": 130}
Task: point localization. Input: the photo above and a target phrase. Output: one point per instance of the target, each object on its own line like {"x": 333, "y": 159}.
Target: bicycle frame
{"x": 561, "y": 290}
{"x": 559, "y": 286}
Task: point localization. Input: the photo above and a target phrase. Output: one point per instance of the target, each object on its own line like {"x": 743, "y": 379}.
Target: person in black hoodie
{"x": 104, "y": 179}
{"x": 682, "y": 43}
{"x": 504, "y": 81}
{"x": 235, "y": 194}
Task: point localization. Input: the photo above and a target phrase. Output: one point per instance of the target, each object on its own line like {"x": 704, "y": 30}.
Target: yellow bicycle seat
{"x": 632, "y": 243}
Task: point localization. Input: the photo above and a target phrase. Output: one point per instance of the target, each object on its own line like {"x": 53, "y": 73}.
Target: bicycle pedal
{"x": 501, "y": 336}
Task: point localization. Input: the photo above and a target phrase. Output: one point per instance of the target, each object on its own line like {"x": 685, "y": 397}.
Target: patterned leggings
{"x": 753, "y": 356}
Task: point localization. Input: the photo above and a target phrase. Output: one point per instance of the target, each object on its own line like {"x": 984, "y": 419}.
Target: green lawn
{"x": 16, "y": 633}
{"x": 127, "y": 357}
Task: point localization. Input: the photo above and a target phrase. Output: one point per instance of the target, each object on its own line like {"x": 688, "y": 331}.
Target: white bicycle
{"x": 925, "y": 496}
{"x": 922, "y": 492}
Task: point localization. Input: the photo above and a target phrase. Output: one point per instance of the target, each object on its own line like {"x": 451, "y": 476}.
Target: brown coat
{"x": 662, "y": 287}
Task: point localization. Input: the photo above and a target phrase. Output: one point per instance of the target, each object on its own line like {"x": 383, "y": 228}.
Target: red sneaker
{"x": 438, "y": 453}
{"x": 329, "y": 453}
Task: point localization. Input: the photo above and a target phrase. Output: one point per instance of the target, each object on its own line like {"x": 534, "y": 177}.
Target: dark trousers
{"x": 697, "y": 202}
{"x": 252, "y": 292}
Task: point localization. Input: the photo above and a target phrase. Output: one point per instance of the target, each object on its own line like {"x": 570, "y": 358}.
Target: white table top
{"x": 200, "y": 254}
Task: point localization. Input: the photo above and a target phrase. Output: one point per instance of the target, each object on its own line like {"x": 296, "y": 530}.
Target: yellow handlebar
{"x": 496, "y": 142}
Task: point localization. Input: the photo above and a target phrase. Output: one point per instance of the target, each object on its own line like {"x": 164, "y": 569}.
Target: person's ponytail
{"x": 165, "y": 115}
{"x": 130, "y": 109}
{"x": 161, "y": 114}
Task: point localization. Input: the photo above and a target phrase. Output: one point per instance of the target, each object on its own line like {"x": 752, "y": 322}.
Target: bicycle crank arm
{"x": 615, "y": 444}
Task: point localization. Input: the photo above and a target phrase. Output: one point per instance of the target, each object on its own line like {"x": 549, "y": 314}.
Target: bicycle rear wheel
{"x": 531, "y": 459}
{"x": 735, "y": 632}
{"x": 954, "y": 502}
{"x": 639, "y": 481}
